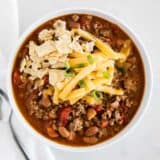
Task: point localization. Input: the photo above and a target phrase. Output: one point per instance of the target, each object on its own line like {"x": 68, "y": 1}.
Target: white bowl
{"x": 145, "y": 99}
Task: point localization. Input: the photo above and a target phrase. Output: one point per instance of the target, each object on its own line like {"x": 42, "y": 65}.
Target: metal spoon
{"x": 3, "y": 96}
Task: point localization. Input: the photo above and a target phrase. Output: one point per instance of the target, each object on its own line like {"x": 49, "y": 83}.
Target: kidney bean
{"x": 104, "y": 123}
{"x": 90, "y": 140}
{"x": 64, "y": 132}
{"x": 91, "y": 131}
{"x": 52, "y": 133}
{"x": 72, "y": 136}
{"x": 115, "y": 104}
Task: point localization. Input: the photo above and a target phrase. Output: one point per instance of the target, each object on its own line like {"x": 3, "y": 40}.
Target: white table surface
{"x": 143, "y": 17}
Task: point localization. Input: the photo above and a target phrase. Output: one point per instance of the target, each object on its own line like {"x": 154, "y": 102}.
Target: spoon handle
{"x": 3, "y": 96}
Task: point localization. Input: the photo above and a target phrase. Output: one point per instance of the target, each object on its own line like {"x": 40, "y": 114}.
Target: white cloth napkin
{"x": 8, "y": 148}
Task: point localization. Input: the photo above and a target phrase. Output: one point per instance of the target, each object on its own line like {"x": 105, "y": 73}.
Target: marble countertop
{"x": 143, "y": 17}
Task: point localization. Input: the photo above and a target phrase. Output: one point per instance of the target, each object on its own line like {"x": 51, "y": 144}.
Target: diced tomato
{"x": 97, "y": 108}
{"x": 16, "y": 78}
{"x": 104, "y": 123}
{"x": 64, "y": 115}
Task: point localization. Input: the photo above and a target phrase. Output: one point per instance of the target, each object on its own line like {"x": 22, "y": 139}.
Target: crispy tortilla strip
{"x": 74, "y": 62}
{"x": 102, "y": 66}
{"x": 110, "y": 90}
{"x": 78, "y": 54}
{"x": 83, "y": 60}
{"x": 104, "y": 47}
{"x": 125, "y": 50}
{"x": 89, "y": 85}
{"x": 56, "y": 95}
{"x": 71, "y": 85}
{"x": 111, "y": 72}
{"x": 91, "y": 100}
{"x": 98, "y": 84}
{"x": 77, "y": 70}
{"x": 77, "y": 94}
{"x": 107, "y": 66}
{"x": 100, "y": 81}
{"x": 61, "y": 85}
{"x": 92, "y": 75}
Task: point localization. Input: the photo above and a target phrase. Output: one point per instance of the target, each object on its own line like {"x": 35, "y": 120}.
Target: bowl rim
{"x": 147, "y": 69}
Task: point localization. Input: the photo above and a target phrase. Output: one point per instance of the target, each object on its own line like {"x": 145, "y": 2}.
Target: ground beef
{"x": 76, "y": 125}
